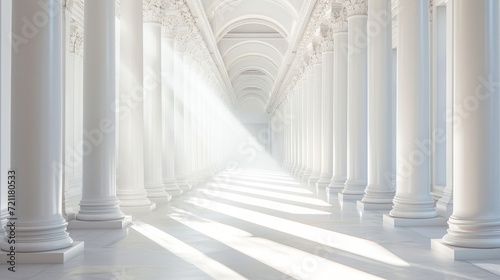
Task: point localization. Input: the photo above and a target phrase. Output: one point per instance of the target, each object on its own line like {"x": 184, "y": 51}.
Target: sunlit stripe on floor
{"x": 187, "y": 253}
{"x": 266, "y": 180}
{"x": 267, "y": 186}
{"x": 289, "y": 197}
{"x": 344, "y": 242}
{"x": 269, "y": 204}
{"x": 288, "y": 260}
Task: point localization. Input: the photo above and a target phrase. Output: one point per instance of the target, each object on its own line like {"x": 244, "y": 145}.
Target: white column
{"x": 413, "y": 201}
{"x": 381, "y": 117}
{"x": 153, "y": 148}
{"x": 99, "y": 201}
{"x": 327, "y": 110}
{"x": 179, "y": 91}
{"x": 303, "y": 119}
{"x": 316, "y": 114}
{"x": 168, "y": 114}
{"x": 5, "y": 108}
{"x": 187, "y": 95}
{"x": 130, "y": 174}
{"x": 37, "y": 130}
{"x": 475, "y": 221}
{"x": 339, "y": 101}
{"x": 357, "y": 102}
{"x": 309, "y": 125}
{"x": 292, "y": 118}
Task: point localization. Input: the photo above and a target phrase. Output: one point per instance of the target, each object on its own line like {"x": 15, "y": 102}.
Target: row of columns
{"x": 367, "y": 142}
{"x": 140, "y": 147}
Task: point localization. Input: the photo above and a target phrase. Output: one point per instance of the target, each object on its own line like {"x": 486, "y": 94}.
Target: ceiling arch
{"x": 252, "y": 47}
{"x": 218, "y": 5}
{"x": 224, "y": 28}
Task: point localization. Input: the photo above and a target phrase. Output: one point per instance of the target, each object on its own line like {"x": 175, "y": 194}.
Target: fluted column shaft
{"x": 357, "y": 104}
{"x": 153, "y": 148}
{"x": 180, "y": 153}
{"x": 327, "y": 112}
{"x": 316, "y": 116}
{"x": 475, "y": 222}
{"x": 339, "y": 112}
{"x": 130, "y": 173}
{"x": 99, "y": 201}
{"x": 37, "y": 131}
{"x": 381, "y": 117}
{"x": 309, "y": 125}
{"x": 413, "y": 199}
{"x": 168, "y": 115}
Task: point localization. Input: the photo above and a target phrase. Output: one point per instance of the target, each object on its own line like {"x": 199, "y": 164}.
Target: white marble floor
{"x": 257, "y": 224}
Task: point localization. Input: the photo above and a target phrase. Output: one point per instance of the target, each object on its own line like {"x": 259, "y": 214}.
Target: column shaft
{"x": 339, "y": 112}
{"x": 475, "y": 222}
{"x": 327, "y": 112}
{"x": 381, "y": 118}
{"x": 316, "y": 117}
{"x": 99, "y": 201}
{"x": 168, "y": 116}
{"x": 357, "y": 104}
{"x": 413, "y": 199}
{"x": 130, "y": 174}
{"x": 153, "y": 148}
{"x": 37, "y": 129}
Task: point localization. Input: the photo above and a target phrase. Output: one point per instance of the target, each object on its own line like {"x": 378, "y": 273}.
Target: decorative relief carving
{"x": 431, "y": 9}
{"x": 356, "y": 7}
{"x": 76, "y": 39}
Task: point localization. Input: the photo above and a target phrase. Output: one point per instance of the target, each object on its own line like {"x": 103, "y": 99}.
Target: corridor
{"x": 249, "y": 223}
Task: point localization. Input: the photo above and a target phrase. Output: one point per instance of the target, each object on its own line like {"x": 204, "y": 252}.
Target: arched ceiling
{"x": 254, "y": 39}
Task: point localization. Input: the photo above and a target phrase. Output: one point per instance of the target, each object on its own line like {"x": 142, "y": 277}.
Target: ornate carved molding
{"x": 76, "y": 39}
{"x": 154, "y": 10}
{"x": 356, "y": 7}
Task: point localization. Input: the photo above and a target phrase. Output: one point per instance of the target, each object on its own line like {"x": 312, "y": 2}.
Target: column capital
{"x": 338, "y": 21}
{"x": 174, "y": 4}
{"x": 326, "y": 37}
{"x": 314, "y": 50}
{"x": 356, "y": 7}
{"x": 170, "y": 24}
{"x": 154, "y": 10}
{"x": 181, "y": 40}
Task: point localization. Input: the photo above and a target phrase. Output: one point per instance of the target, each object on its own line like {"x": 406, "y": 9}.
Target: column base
{"x": 137, "y": 210}
{"x": 363, "y": 206}
{"x": 349, "y": 197}
{"x": 463, "y": 254}
{"x": 111, "y": 224}
{"x": 407, "y": 222}
{"x": 49, "y": 257}
{"x": 312, "y": 180}
{"x": 172, "y": 189}
{"x": 164, "y": 199}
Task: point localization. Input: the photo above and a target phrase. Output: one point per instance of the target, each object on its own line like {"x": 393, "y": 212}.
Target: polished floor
{"x": 258, "y": 224}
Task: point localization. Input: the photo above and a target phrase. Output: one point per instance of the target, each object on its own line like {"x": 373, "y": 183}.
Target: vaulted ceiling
{"x": 255, "y": 40}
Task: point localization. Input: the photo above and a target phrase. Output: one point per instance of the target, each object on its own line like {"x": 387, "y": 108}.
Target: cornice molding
{"x": 302, "y": 59}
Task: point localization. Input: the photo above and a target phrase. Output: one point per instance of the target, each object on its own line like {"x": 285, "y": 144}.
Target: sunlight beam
{"x": 211, "y": 267}
{"x": 290, "y": 261}
{"x": 344, "y": 242}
